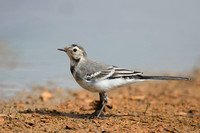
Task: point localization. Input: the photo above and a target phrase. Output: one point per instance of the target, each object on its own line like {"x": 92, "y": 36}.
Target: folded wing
{"x": 113, "y": 72}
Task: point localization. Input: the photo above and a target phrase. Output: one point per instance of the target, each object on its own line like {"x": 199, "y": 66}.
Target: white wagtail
{"x": 98, "y": 77}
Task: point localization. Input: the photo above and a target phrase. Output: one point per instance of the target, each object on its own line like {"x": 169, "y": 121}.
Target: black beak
{"x": 63, "y": 50}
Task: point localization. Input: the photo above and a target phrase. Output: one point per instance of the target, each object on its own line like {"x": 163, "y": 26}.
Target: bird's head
{"x": 75, "y": 52}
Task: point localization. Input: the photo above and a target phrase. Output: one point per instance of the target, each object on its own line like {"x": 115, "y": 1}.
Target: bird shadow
{"x": 71, "y": 114}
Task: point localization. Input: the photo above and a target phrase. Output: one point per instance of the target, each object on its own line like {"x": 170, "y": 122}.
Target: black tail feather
{"x": 164, "y": 78}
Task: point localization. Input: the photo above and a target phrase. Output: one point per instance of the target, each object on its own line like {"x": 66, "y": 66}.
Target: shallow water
{"x": 158, "y": 37}
{"x": 21, "y": 71}
{"x": 27, "y": 69}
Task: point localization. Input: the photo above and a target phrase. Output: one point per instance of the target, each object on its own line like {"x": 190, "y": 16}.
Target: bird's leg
{"x": 98, "y": 106}
{"x": 105, "y": 99}
{"x": 100, "y": 102}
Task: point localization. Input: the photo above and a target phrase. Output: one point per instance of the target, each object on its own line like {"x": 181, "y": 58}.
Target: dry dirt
{"x": 167, "y": 106}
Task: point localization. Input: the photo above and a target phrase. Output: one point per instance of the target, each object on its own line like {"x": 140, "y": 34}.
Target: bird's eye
{"x": 75, "y": 50}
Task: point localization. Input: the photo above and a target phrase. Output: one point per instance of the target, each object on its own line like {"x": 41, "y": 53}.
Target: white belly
{"x": 105, "y": 85}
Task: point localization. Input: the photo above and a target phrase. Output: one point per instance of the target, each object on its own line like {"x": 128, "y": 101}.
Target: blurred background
{"x": 150, "y": 36}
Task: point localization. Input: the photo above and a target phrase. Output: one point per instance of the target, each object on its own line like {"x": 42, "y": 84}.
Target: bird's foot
{"x": 96, "y": 116}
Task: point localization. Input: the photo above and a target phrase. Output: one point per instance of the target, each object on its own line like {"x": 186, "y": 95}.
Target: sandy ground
{"x": 158, "y": 106}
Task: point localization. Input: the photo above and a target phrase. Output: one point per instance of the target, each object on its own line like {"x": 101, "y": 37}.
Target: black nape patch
{"x": 74, "y": 45}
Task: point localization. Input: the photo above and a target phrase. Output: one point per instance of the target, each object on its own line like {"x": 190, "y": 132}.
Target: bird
{"x": 101, "y": 78}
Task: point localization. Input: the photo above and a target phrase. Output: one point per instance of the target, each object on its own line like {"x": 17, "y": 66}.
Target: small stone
{"x": 3, "y": 115}
{"x": 137, "y": 98}
{"x": 69, "y": 126}
{"x": 46, "y": 95}
{"x": 19, "y": 105}
{"x": 181, "y": 113}
{"x": 95, "y": 121}
{"x": 30, "y": 123}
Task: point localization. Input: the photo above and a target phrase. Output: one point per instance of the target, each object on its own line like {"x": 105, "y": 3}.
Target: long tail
{"x": 164, "y": 78}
